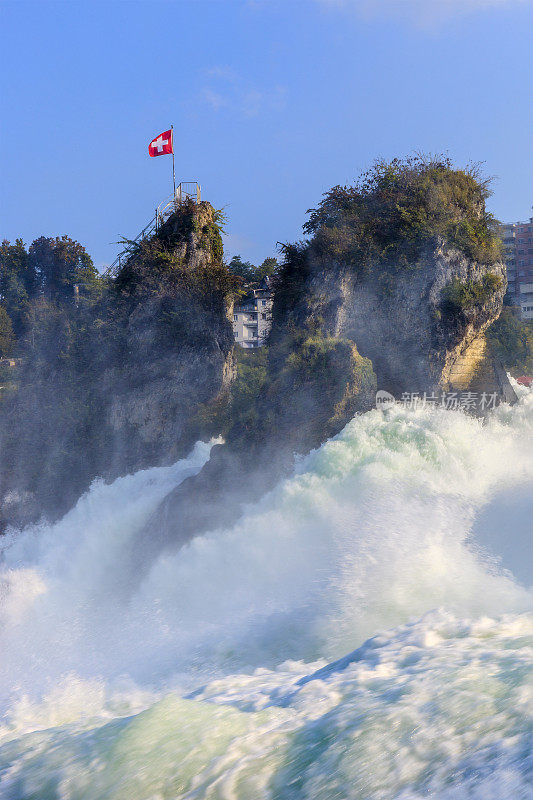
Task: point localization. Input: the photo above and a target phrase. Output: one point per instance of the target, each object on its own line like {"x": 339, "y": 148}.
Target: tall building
{"x": 252, "y": 318}
{"x": 518, "y": 241}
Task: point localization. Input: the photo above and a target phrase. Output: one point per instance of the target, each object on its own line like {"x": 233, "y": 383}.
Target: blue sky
{"x": 272, "y": 104}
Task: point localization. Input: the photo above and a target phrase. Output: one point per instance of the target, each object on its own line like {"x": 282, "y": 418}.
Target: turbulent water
{"x": 365, "y": 632}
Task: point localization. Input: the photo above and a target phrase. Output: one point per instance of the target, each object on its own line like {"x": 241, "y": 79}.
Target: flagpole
{"x": 173, "y": 168}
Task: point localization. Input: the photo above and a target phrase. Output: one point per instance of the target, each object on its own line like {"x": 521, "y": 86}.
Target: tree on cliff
{"x": 397, "y": 208}
{"x": 7, "y": 337}
{"x": 383, "y": 224}
{"x": 512, "y": 340}
{"x": 59, "y": 264}
{"x": 50, "y": 268}
{"x": 250, "y": 274}
{"x": 16, "y": 281}
{"x": 242, "y": 269}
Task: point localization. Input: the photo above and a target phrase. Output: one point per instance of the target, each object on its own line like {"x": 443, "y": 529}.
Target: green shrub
{"x": 398, "y": 208}
{"x": 7, "y": 336}
{"x": 512, "y": 341}
{"x": 311, "y": 358}
{"x": 383, "y": 224}
{"x": 250, "y": 381}
{"x": 460, "y": 297}
{"x": 153, "y": 266}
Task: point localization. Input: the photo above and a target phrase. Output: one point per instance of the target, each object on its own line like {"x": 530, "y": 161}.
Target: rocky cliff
{"x": 394, "y": 288}
{"x": 423, "y": 332}
{"x": 399, "y": 279}
{"x": 406, "y": 264}
{"x": 124, "y": 382}
{"x": 178, "y": 341}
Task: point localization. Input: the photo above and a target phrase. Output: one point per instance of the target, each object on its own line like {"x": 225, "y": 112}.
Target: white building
{"x": 252, "y": 318}
{"x": 526, "y": 301}
{"x": 518, "y": 242}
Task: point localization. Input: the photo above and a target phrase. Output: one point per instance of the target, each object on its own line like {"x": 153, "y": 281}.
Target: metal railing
{"x": 188, "y": 190}
{"x": 184, "y": 191}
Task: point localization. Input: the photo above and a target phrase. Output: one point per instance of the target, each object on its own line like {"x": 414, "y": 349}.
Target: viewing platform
{"x": 186, "y": 191}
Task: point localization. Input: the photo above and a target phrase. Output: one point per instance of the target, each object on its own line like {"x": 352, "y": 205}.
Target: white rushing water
{"x": 365, "y": 632}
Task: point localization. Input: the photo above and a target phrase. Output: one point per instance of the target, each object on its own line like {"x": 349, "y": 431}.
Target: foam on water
{"x": 225, "y": 674}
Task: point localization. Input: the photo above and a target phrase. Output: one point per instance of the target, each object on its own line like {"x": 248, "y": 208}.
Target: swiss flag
{"x": 162, "y": 144}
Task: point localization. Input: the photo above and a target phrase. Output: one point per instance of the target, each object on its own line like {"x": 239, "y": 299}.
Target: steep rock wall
{"x": 415, "y": 340}
{"x": 122, "y": 384}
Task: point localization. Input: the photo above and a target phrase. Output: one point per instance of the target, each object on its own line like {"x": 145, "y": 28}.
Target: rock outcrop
{"x": 178, "y": 341}
{"x": 418, "y": 338}
{"x": 394, "y": 289}
{"x": 314, "y": 387}
{"x": 400, "y": 280}
{"x": 124, "y": 383}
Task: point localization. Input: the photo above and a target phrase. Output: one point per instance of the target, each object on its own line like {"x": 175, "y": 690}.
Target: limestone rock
{"x": 412, "y": 342}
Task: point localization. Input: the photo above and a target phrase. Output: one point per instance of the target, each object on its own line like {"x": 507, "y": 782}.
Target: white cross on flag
{"x": 162, "y": 144}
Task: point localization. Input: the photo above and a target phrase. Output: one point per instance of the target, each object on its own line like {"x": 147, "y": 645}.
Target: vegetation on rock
{"x": 125, "y": 372}
{"x": 460, "y": 297}
{"x": 298, "y": 391}
{"x": 250, "y": 275}
{"x": 388, "y": 219}
{"x": 7, "y": 336}
{"x": 249, "y": 385}
{"x": 397, "y": 208}
{"x": 512, "y": 341}
{"x": 406, "y": 263}
{"x": 85, "y": 355}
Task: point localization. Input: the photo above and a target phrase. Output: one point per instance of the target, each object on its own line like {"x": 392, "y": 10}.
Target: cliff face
{"x": 418, "y": 338}
{"x": 154, "y": 397}
{"x": 127, "y": 382}
{"x": 152, "y": 414}
{"x": 407, "y": 264}
{"x": 400, "y": 278}
{"x": 394, "y": 288}
{"x": 178, "y": 341}
{"x": 313, "y": 387}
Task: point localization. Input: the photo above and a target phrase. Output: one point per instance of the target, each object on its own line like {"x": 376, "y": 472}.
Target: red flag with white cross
{"x": 162, "y": 144}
